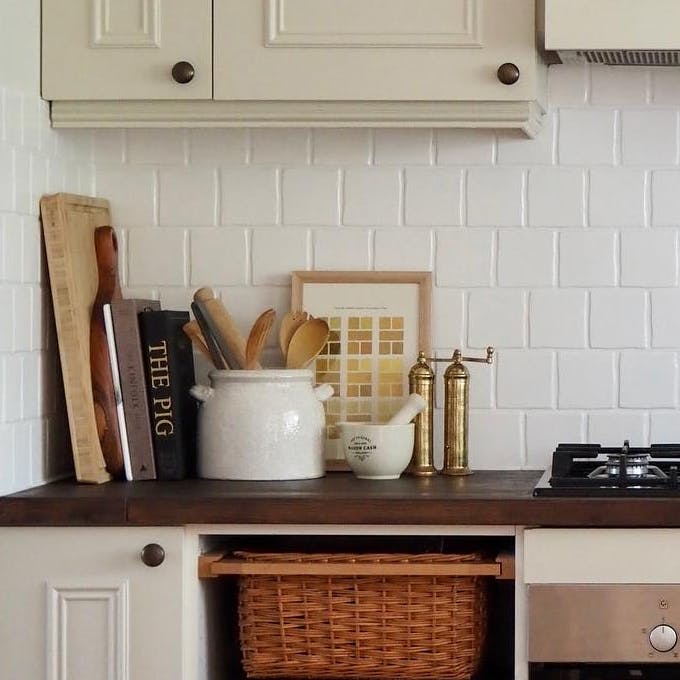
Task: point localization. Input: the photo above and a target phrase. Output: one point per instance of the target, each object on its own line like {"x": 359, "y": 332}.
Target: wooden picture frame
{"x": 379, "y": 321}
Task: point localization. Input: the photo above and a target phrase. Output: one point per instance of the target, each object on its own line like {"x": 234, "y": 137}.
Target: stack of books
{"x": 152, "y": 366}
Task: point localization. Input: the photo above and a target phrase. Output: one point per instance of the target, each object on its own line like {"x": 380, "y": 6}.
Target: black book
{"x": 169, "y": 369}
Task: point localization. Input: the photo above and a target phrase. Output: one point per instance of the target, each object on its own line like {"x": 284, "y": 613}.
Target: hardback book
{"x": 169, "y": 369}
{"x": 130, "y": 366}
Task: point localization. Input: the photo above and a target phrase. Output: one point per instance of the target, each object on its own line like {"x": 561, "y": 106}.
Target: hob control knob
{"x": 663, "y": 638}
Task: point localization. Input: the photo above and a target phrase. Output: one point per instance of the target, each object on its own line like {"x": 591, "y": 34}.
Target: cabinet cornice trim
{"x": 524, "y": 115}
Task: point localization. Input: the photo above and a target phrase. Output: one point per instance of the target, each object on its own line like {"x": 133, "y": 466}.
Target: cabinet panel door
{"x": 399, "y": 50}
{"x": 79, "y": 603}
{"x": 125, "y": 49}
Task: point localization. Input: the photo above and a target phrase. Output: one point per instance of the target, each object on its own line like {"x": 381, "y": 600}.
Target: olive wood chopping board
{"x": 69, "y": 222}
{"x": 103, "y": 389}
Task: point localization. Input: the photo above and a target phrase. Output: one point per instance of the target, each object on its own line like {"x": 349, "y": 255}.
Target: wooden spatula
{"x": 258, "y": 338}
{"x": 289, "y": 324}
{"x": 308, "y": 340}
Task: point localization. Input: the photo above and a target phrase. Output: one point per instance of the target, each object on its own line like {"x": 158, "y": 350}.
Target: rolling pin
{"x": 228, "y": 333}
{"x": 106, "y": 418}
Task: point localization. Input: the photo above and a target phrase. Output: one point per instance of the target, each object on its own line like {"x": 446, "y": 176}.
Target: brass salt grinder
{"x": 456, "y": 413}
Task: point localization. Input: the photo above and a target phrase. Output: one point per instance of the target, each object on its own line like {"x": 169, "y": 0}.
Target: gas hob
{"x": 625, "y": 471}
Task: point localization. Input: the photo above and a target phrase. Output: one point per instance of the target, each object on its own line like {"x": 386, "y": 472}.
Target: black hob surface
{"x": 594, "y": 470}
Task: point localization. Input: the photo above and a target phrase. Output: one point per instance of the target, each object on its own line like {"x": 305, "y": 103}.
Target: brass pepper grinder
{"x": 456, "y": 412}
{"x": 421, "y": 381}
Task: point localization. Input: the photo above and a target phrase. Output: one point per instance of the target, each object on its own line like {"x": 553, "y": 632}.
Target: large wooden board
{"x": 69, "y": 222}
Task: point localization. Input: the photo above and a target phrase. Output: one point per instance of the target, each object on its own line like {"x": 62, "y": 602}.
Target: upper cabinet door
{"x": 368, "y": 50}
{"x": 126, "y": 49}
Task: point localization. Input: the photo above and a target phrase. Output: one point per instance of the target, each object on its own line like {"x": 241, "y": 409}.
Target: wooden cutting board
{"x": 69, "y": 222}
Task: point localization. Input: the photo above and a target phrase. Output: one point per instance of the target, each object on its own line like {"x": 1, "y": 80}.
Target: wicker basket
{"x": 373, "y": 626}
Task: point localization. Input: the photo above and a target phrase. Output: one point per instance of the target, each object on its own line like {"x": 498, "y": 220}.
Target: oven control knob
{"x": 663, "y": 638}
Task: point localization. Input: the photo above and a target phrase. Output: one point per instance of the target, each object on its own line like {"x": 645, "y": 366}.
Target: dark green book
{"x": 169, "y": 370}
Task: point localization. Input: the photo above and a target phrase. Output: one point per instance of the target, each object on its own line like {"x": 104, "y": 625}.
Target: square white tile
{"x": 433, "y": 197}
{"x": 558, "y": 318}
{"x": 586, "y": 380}
{"x": 464, "y": 257}
{"x": 526, "y": 258}
{"x": 649, "y": 380}
{"x": 649, "y": 257}
{"x": 494, "y": 197}
{"x": 618, "y": 318}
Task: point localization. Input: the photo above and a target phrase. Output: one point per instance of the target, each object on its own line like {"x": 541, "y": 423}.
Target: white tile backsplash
{"x": 556, "y": 197}
{"x": 433, "y": 197}
{"x": 403, "y": 249}
{"x": 188, "y": 197}
{"x": 495, "y": 197}
{"x": 250, "y": 195}
{"x": 310, "y": 196}
{"x": 526, "y": 379}
{"x": 586, "y": 136}
{"x": 372, "y": 197}
{"x": 665, "y": 198}
{"x": 497, "y": 317}
{"x": 587, "y": 380}
{"x": 613, "y": 427}
{"x": 665, "y": 317}
{"x": 219, "y": 257}
{"x": 619, "y": 86}
{"x": 588, "y": 258}
{"x": 618, "y": 318}
{"x": 344, "y": 249}
{"x": 526, "y": 258}
{"x": 617, "y": 197}
{"x": 464, "y": 257}
{"x": 649, "y": 137}
{"x": 558, "y": 318}
{"x": 648, "y": 380}
{"x": 649, "y": 258}
{"x": 561, "y": 251}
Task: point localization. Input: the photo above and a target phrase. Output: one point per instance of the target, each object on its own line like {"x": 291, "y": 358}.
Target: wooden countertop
{"x": 487, "y": 497}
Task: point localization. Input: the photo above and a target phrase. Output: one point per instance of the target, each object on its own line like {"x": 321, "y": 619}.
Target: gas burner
{"x": 636, "y": 466}
{"x": 593, "y": 470}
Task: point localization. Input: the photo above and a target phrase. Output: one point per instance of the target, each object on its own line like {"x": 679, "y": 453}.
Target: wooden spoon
{"x": 258, "y": 337}
{"x": 289, "y": 324}
{"x": 308, "y": 340}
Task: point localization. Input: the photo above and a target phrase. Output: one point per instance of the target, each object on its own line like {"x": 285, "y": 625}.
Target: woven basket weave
{"x": 394, "y": 627}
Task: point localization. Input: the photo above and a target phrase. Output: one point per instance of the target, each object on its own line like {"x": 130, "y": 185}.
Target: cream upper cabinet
{"x": 79, "y": 603}
{"x": 373, "y": 50}
{"x": 428, "y": 63}
{"x": 126, "y": 49}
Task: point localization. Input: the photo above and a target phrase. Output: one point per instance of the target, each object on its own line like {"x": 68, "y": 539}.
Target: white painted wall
{"x": 561, "y": 251}
{"x": 33, "y": 160}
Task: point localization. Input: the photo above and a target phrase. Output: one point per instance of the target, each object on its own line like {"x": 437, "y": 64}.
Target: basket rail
{"x": 216, "y": 564}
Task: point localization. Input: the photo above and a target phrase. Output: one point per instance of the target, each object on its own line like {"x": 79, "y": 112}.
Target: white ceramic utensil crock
{"x": 261, "y": 425}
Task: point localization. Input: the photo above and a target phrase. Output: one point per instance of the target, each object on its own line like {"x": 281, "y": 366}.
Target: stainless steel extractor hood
{"x": 619, "y": 32}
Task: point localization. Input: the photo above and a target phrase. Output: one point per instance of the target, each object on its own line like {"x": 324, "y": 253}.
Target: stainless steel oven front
{"x": 604, "y": 632}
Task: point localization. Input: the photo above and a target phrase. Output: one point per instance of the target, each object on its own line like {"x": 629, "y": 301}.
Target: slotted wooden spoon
{"x": 258, "y": 338}
{"x": 289, "y": 324}
{"x": 307, "y": 341}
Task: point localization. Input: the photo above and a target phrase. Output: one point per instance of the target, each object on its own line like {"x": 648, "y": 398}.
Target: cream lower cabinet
{"x": 79, "y": 604}
{"x": 429, "y": 63}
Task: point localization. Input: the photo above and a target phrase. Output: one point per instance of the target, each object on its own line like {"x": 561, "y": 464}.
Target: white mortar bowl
{"x": 377, "y": 451}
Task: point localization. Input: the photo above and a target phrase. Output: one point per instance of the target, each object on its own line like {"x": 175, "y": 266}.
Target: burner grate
{"x": 592, "y": 469}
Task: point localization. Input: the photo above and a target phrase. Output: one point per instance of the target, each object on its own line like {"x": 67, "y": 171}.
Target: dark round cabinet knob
{"x": 508, "y": 74}
{"x": 153, "y": 555}
{"x": 183, "y": 72}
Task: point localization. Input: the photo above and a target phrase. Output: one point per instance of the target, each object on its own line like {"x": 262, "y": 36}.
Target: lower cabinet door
{"x": 81, "y": 604}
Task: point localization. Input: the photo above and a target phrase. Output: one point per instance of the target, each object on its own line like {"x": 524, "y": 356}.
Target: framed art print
{"x": 378, "y": 323}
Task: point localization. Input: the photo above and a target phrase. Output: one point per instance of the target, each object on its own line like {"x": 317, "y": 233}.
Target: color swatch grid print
{"x": 364, "y": 363}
